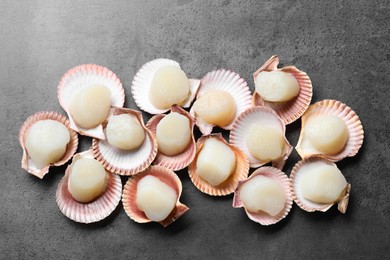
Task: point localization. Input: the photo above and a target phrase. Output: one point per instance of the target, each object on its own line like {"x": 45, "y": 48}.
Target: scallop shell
{"x": 308, "y": 205}
{"x": 94, "y": 211}
{"x": 293, "y": 109}
{"x": 27, "y": 163}
{"x": 258, "y": 115}
{"x": 83, "y": 76}
{"x": 262, "y": 217}
{"x": 126, "y": 162}
{"x": 352, "y": 121}
{"x": 130, "y": 193}
{"x": 228, "y": 186}
{"x": 143, "y": 79}
{"x": 179, "y": 161}
{"x": 230, "y": 82}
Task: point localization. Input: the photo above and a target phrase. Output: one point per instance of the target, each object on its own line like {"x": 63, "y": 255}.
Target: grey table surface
{"x": 344, "y": 46}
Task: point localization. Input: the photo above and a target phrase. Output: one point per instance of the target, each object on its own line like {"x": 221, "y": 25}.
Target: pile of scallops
{"x": 149, "y": 154}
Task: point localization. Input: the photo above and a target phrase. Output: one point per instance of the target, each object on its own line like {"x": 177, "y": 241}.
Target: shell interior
{"x": 94, "y": 211}
{"x": 332, "y": 107}
{"x": 262, "y": 217}
{"x": 262, "y": 116}
{"x": 27, "y": 163}
{"x": 230, "y": 82}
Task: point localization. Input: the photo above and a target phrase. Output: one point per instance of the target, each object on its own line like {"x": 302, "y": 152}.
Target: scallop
{"x": 288, "y": 90}
{"x": 265, "y": 196}
{"x": 94, "y": 209}
{"x": 182, "y": 154}
{"x": 153, "y": 195}
{"x": 49, "y": 139}
{"x": 222, "y": 97}
{"x": 160, "y": 84}
{"x": 317, "y": 184}
{"x": 218, "y": 166}
{"x": 330, "y": 129}
{"x": 123, "y": 161}
{"x": 86, "y": 93}
{"x": 260, "y": 134}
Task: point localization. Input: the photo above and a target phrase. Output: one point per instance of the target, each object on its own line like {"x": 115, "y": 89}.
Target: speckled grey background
{"x": 344, "y": 46}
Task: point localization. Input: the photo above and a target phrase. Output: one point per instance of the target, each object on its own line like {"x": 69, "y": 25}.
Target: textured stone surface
{"x": 344, "y": 46}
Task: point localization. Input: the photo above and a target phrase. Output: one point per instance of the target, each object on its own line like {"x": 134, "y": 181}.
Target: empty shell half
{"x": 95, "y": 208}
{"x": 175, "y": 138}
{"x": 317, "y": 184}
{"x": 47, "y": 140}
{"x": 153, "y": 195}
{"x": 288, "y": 90}
{"x": 160, "y": 84}
{"x": 223, "y": 95}
{"x": 86, "y": 92}
{"x": 260, "y": 134}
{"x": 129, "y": 147}
{"x": 330, "y": 129}
{"x": 218, "y": 166}
{"x": 265, "y": 196}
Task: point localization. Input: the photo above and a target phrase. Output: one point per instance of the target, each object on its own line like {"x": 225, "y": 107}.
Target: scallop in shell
{"x": 261, "y": 216}
{"x": 307, "y": 167}
{"x": 142, "y": 82}
{"x": 240, "y": 170}
{"x": 294, "y": 108}
{"x": 95, "y": 210}
{"x": 229, "y": 84}
{"x": 184, "y": 158}
{"x": 27, "y": 163}
{"x": 261, "y": 117}
{"x": 321, "y": 111}
{"x": 166, "y": 176}
{"x": 81, "y": 77}
{"x": 125, "y": 162}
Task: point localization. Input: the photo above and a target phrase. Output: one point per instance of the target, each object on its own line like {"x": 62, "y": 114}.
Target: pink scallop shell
{"x": 126, "y": 162}
{"x": 143, "y": 79}
{"x": 230, "y": 82}
{"x": 308, "y": 205}
{"x": 27, "y": 163}
{"x": 352, "y": 121}
{"x": 262, "y": 217}
{"x": 94, "y": 211}
{"x": 83, "y": 76}
{"x": 130, "y": 193}
{"x": 183, "y": 159}
{"x": 264, "y": 116}
{"x": 228, "y": 186}
{"x": 293, "y": 109}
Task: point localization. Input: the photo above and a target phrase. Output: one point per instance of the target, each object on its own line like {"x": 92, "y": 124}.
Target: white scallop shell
{"x": 95, "y": 210}
{"x": 126, "y": 162}
{"x": 82, "y": 76}
{"x": 262, "y": 116}
{"x": 230, "y": 82}
{"x": 142, "y": 81}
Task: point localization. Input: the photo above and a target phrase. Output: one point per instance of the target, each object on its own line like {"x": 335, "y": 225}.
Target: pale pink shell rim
{"x": 183, "y": 159}
{"x": 262, "y": 217}
{"x": 228, "y": 187}
{"x": 137, "y": 85}
{"x": 109, "y": 164}
{"x": 254, "y": 162}
{"x": 24, "y": 129}
{"x": 94, "y": 211}
{"x": 296, "y": 107}
{"x": 351, "y": 119}
{"x": 322, "y": 207}
{"x": 130, "y": 190}
{"x": 237, "y": 82}
{"x": 83, "y": 69}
